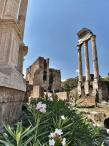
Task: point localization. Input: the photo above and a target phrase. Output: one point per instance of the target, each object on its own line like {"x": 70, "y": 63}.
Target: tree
{"x": 70, "y": 84}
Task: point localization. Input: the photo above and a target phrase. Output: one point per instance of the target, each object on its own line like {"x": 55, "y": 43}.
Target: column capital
{"x": 85, "y": 43}
{"x": 79, "y": 47}
{"x": 93, "y": 37}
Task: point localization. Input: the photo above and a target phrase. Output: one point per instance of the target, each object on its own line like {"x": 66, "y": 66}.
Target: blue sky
{"x": 51, "y": 31}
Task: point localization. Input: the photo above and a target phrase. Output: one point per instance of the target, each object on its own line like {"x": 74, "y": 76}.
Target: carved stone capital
{"x": 79, "y": 47}
{"x": 93, "y": 37}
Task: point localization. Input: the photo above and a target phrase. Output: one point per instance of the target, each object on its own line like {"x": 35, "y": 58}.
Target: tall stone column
{"x": 95, "y": 59}
{"x": 80, "y": 73}
{"x": 95, "y": 64}
{"x": 22, "y": 15}
{"x": 87, "y": 67}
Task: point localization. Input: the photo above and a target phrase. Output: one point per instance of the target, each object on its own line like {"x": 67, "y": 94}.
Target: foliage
{"x": 16, "y": 137}
{"x": 59, "y": 115}
{"x": 105, "y": 79}
{"x": 70, "y": 84}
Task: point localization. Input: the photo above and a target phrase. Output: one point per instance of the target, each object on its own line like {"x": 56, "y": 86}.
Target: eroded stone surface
{"x": 39, "y": 74}
{"x": 12, "y": 52}
{"x": 10, "y": 104}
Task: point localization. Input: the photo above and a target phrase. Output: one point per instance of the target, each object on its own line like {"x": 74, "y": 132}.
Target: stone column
{"x": 80, "y": 73}
{"x": 95, "y": 64}
{"x": 95, "y": 59}
{"x": 87, "y": 67}
{"x": 22, "y": 15}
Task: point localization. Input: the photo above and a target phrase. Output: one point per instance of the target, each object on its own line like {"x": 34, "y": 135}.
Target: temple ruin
{"x": 39, "y": 75}
{"x": 84, "y": 36}
{"x": 12, "y": 52}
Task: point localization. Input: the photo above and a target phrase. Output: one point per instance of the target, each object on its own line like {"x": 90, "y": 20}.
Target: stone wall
{"x": 37, "y": 92}
{"x": 39, "y": 74}
{"x": 62, "y": 95}
{"x": 54, "y": 80}
{"x": 10, "y": 104}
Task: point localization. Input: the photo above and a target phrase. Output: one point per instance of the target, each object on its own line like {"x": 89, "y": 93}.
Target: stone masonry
{"x": 39, "y": 74}
{"x": 12, "y": 52}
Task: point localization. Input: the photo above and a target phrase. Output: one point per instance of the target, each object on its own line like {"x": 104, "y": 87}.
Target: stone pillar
{"x": 80, "y": 73}
{"x": 95, "y": 59}
{"x": 87, "y": 67}
{"x": 95, "y": 64}
{"x": 12, "y": 84}
{"x": 22, "y": 15}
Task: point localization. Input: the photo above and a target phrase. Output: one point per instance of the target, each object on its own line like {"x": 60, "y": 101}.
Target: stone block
{"x": 11, "y": 101}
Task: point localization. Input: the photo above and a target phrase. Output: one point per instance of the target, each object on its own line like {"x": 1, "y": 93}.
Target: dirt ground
{"x": 97, "y": 109}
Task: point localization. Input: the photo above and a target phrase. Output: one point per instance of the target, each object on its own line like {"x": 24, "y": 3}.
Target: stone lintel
{"x": 86, "y": 38}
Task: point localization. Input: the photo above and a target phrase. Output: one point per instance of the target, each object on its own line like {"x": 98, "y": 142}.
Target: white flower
{"x": 52, "y": 135}
{"x": 42, "y": 110}
{"x": 63, "y": 117}
{"x": 69, "y": 107}
{"x": 39, "y": 104}
{"x": 41, "y": 107}
{"x": 51, "y": 142}
{"x": 64, "y": 142}
{"x": 50, "y": 98}
{"x": 58, "y": 132}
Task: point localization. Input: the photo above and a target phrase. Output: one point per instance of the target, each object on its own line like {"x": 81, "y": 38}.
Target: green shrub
{"x": 54, "y": 116}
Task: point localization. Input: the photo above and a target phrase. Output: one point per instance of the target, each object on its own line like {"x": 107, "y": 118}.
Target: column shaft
{"x": 87, "y": 65}
{"x": 80, "y": 72}
{"x": 95, "y": 59}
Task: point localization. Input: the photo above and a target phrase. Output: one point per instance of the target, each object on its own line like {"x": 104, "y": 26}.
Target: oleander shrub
{"x": 51, "y": 123}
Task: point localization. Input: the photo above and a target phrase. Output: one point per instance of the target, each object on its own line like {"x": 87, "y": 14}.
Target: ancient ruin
{"x": 12, "y": 52}
{"x": 85, "y": 35}
{"x": 40, "y": 75}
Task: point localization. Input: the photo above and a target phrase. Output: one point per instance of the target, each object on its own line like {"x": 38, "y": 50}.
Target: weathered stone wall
{"x": 35, "y": 73}
{"x": 54, "y": 80}
{"x": 39, "y": 74}
{"x": 62, "y": 95}
{"x": 104, "y": 91}
{"x": 37, "y": 92}
{"x": 12, "y": 52}
{"x": 10, "y": 104}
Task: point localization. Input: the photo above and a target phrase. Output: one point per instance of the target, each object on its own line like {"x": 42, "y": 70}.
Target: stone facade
{"x": 39, "y": 74}
{"x": 12, "y": 52}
